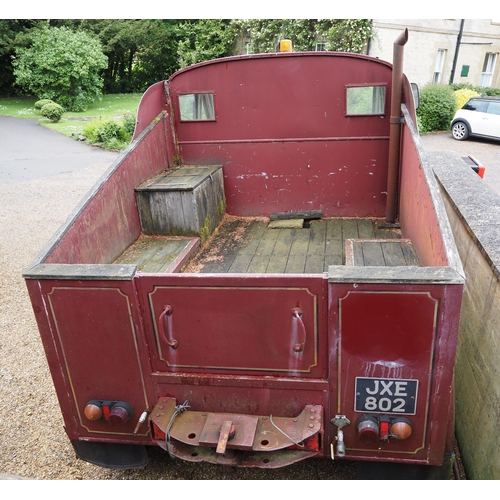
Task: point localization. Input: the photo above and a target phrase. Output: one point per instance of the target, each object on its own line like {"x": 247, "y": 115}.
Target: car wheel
{"x": 460, "y": 131}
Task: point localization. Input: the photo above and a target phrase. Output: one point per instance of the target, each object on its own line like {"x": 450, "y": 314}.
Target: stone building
{"x": 443, "y": 50}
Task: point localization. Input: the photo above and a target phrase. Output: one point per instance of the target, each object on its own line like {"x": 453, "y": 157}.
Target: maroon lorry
{"x": 266, "y": 274}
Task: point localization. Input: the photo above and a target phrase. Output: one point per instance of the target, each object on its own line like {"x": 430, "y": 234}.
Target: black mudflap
{"x": 112, "y": 455}
{"x": 398, "y": 471}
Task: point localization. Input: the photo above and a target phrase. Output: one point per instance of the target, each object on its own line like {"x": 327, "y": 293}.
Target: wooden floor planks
{"x": 310, "y": 250}
{"x": 249, "y": 246}
{"x": 155, "y": 254}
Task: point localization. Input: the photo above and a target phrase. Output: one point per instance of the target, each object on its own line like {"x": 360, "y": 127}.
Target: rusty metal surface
{"x": 224, "y": 433}
{"x": 238, "y": 458}
{"x": 245, "y": 429}
{"x": 395, "y": 129}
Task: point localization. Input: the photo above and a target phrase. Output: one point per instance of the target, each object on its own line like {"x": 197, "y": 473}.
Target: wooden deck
{"x": 251, "y": 247}
{"x": 159, "y": 254}
{"x": 243, "y": 245}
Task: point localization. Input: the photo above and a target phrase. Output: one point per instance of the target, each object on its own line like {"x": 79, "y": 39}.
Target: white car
{"x": 480, "y": 116}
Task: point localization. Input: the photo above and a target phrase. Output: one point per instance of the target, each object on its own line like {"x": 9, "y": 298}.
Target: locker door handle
{"x": 297, "y": 314}
{"x": 164, "y": 326}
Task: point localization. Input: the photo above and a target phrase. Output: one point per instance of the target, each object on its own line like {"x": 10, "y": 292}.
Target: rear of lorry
{"x": 348, "y": 359}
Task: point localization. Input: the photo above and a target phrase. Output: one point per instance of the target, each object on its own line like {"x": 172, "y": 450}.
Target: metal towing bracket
{"x": 235, "y": 439}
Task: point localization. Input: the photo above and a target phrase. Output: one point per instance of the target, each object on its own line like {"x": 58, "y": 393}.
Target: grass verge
{"x": 73, "y": 123}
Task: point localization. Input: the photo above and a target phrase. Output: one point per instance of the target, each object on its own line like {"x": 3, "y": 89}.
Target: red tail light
{"x": 368, "y": 429}
{"x": 371, "y": 429}
{"x": 119, "y": 414}
{"x": 115, "y": 412}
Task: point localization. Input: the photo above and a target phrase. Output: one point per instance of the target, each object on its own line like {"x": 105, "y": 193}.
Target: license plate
{"x": 386, "y": 395}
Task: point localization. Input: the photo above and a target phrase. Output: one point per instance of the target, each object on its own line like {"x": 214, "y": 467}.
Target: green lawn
{"x": 110, "y": 106}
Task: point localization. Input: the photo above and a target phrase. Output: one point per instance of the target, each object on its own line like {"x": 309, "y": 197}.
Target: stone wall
{"x": 474, "y": 213}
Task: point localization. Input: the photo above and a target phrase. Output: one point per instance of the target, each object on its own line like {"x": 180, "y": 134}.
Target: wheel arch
{"x": 463, "y": 120}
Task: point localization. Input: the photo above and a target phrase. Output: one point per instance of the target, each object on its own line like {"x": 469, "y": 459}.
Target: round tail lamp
{"x": 368, "y": 429}
{"x": 401, "y": 428}
{"x": 115, "y": 412}
{"x": 93, "y": 412}
{"x": 120, "y": 413}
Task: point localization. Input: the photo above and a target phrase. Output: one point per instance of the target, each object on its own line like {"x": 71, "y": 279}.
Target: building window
{"x": 488, "y": 68}
{"x": 438, "y": 69}
{"x": 320, "y": 47}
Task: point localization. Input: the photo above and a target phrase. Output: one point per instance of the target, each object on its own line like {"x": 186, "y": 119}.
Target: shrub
{"x": 489, "y": 91}
{"x": 129, "y": 124}
{"x": 52, "y": 111}
{"x": 41, "y": 103}
{"x": 110, "y": 133}
{"x": 460, "y": 86}
{"x": 463, "y": 95}
{"x": 61, "y": 64}
{"x": 437, "y": 107}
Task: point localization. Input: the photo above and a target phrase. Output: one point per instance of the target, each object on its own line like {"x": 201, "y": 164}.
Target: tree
{"x": 205, "y": 39}
{"x": 62, "y": 65}
{"x": 343, "y": 35}
{"x": 12, "y": 35}
{"x": 157, "y": 57}
{"x": 121, "y": 40}
{"x": 140, "y": 51}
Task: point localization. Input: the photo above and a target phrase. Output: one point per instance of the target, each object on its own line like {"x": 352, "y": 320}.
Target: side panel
{"x": 93, "y": 341}
{"x": 151, "y": 105}
{"x": 107, "y": 220}
{"x": 418, "y": 213}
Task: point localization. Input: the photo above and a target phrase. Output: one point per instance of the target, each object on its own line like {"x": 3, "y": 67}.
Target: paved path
{"x": 486, "y": 151}
{"x": 30, "y": 151}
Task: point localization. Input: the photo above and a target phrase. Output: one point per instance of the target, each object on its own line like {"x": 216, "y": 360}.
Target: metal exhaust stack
{"x": 395, "y": 128}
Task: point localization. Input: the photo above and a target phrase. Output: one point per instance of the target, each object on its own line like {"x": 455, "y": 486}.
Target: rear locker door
{"x": 90, "y": 328}
{"x": 273, "y": 325}
{"x": 394, "y": 360}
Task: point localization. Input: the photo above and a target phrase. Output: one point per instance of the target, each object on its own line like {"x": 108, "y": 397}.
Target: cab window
{"x": 197, "y": 107}
{"x": 365, "y": 100}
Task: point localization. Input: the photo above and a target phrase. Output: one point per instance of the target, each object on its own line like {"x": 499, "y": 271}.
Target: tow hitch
{"x": 236, "y": 439}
